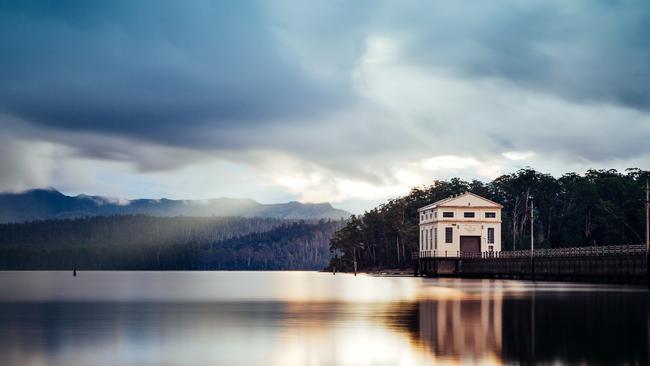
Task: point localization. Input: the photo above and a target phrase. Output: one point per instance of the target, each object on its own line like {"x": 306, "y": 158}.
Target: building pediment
{"x": 466, "y": 199}
{"x": 469, "y": 199}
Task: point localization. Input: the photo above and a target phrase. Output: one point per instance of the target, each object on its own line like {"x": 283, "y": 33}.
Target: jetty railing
{"x": 602, "y": 250}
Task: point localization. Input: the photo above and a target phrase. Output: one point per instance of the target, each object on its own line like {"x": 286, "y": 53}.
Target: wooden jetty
{"x": 603, "y": 264}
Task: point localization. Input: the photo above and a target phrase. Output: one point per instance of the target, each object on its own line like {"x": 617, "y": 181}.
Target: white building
{"x": 457, "y": 225}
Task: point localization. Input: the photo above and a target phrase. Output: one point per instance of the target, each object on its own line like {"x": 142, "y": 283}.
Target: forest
{"x": 139, "y": 242}
{"x": 601, "y": 207}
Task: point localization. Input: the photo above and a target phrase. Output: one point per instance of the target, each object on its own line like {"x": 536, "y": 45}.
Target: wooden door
{"x": 470, "y": 244}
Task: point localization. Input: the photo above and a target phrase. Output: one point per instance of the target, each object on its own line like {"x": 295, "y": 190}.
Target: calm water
{"x": 306, "y": 318}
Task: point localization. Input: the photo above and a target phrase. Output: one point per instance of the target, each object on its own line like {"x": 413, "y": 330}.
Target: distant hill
{"x": 43, "y": 204}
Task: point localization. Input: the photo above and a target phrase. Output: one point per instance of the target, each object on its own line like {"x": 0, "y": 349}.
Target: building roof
{"x": 450, "y": 202}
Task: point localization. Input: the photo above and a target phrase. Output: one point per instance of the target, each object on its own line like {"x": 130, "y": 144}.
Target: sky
{"x": 348, "y": 102}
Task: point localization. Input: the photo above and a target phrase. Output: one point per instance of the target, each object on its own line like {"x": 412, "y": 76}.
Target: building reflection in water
{"x": 471, "y": 328}
{"x": 535, "y": 325}
{"x": 460, "y": 326}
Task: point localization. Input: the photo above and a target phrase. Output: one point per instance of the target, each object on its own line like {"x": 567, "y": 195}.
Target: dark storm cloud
{"x": 224, "y": 78}
{"x": 586, "y": 51}
{"x": 170, "y": 72}
{"x": 154, "y": 70}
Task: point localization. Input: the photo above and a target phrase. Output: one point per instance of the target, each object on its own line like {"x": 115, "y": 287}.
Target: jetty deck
{"x": 604, "y": 264}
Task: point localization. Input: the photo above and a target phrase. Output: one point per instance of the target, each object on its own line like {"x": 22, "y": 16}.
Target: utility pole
{"x": 647, "y": 216}
{"x": 647, "y": 229}
{"x": 360, "y": 244}
{"x": 532, "y": 241}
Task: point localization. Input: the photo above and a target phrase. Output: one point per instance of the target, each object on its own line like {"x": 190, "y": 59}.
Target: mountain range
{"x": 43, "y": 204}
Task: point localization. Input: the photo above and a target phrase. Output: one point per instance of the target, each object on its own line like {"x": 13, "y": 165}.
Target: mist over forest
{"x": 601, "y": 207}
{"x": 166, "y": 243}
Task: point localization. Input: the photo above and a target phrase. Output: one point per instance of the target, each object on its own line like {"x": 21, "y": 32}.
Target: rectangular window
{"x": 490, "y": 215}
{"x": 422, "y": 217}
{"x": 435, "y": 238}
{"x": 449, "y": 235}
{"x": 435, "y": 214}
{"x": 426, "y": 239}
{"x": 422, "y": 239}
{"x": 490, "y": 234}
{"x": 447, "y": 214}
{"x": 430, "y": 238}
{"x": 468, "y": 214}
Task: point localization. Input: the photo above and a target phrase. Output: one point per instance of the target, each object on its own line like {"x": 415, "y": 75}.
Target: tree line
{"x": 600, "y": 207}
{"x": 141, "y": 242}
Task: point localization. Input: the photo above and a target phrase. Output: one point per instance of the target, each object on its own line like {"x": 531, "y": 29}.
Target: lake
{"x": 309, "y": 318}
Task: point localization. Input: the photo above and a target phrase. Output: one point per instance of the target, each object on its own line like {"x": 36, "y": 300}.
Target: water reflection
{"x": 260, "y": 333}
{"x": 468, "y": 328}
{"x": 590, "y": 327}
{"x": 539, "y": 323}
{"x": 314, "y": 319}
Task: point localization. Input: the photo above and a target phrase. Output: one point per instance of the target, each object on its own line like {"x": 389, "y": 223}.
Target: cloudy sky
{"x": 343, "y": 101}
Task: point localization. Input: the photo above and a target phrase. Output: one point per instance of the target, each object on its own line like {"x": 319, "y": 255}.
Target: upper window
{"x": 468, "y": 214}
{"x": 447, "y": 214}
{"x": 490, "y": 215}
